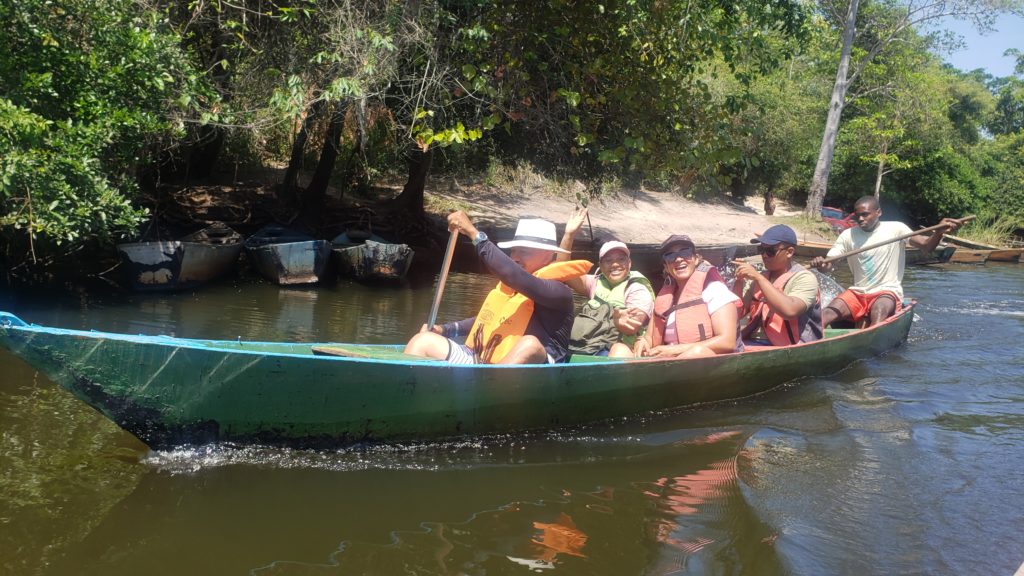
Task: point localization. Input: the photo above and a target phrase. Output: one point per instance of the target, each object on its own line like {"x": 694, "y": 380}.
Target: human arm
{"x": 628, "y": 320}
{"x": 781, "y": 303}
{"x": 545, "y": 293}
{"x": 842, "y": 245}
{"x": 929, "y": 243}
{"x": 572, "y": 227}
{"x": 455, "y": 330}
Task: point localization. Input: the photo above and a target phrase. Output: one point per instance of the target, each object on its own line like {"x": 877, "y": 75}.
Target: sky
{"x": 987, "y": 51}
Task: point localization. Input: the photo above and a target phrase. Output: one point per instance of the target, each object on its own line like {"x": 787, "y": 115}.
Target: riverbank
{"x": 632, "y": 216}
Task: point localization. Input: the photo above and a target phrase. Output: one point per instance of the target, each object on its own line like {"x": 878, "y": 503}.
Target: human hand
{"x": 460, "y": 221}
{"x": 436, "y": 329}
{"x": 952, "y": 225}
{"x": 628, "y": 320}
{"x": 745, "y": 270}
{"x": 640, "y": 348}
{"x": 819, "y": 263}
{"x": 575, "y": 222}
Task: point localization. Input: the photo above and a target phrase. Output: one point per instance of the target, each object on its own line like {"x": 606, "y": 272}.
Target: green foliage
{"x": 87, "y": 85}
{"x": 945, "y": 184}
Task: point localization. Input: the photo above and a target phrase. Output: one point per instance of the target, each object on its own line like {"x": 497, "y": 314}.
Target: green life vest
{"x": 593, "y": 329}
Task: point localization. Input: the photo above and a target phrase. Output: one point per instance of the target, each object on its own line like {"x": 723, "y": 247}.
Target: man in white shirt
{"x": 877, "y": 291}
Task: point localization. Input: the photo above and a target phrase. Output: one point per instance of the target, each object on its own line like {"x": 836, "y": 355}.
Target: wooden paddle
{"x": 896, "y": 239}
{"x": 442, "y": 278}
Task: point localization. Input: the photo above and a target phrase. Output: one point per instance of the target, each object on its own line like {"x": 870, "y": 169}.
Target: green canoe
{"x": 172, "y": 391}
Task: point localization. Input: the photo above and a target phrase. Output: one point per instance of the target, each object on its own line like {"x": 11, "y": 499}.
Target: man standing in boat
{"x": 877, "y": 291}
{"x": 782, "y": 306}
{"x": 526, "y": 318}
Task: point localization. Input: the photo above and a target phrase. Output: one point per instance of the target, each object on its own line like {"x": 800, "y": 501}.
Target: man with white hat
{"x": 620, "y": 303}
{"x": 526, "y": 318}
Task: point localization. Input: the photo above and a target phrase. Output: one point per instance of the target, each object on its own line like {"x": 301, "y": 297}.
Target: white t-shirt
{"x": 637, "y": 295}
{"x": 879, "y": 269}
{"x": 715, "y": 295}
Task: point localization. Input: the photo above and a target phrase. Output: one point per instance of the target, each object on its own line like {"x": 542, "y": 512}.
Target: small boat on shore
{"x": 287, "y": 256}
{"x": 969, "y": 256}
{"x": 184, "y": 263}
{"x": 171, "y": 391}
{"x": 1006, "y": 255}
{"x": 371, "y": 258}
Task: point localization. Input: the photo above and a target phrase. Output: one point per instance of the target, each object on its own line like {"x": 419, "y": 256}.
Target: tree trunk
{"x": 316, "y": 193}
{"x": 410, "y": 201}
{"x": 881, "y": 170}
{"x": 819, "y": 184}
{"x": 291, "y": 176}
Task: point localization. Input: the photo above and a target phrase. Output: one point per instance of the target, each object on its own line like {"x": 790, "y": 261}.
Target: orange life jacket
{"x": 785, "y": 331}
{"x": 503, "y": 318}
{"x": 692, "y": 320}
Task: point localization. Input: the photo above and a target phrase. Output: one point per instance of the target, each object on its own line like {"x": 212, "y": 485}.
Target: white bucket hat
{"x": 534, "y": 233}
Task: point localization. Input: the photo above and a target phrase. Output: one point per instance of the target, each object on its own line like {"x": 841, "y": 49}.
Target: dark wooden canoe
{"x": 371, "y": 259}
{"x": 184, "y": 263}
{"x": 169, "y": 391}
{"x": 916, "y": 256}
{"x": 287, "y": 256}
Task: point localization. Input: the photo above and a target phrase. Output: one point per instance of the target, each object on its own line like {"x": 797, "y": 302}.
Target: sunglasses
{"x": 769, "y": 251}
{"x": 685, "y": 253}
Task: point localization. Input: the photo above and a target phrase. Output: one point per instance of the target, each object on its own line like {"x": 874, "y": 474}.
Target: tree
{"x": 883, "y": 25}
{"x": 89, "y": 88}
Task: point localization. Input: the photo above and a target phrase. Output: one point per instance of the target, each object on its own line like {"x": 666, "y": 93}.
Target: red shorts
{"x": 860, "y": 304}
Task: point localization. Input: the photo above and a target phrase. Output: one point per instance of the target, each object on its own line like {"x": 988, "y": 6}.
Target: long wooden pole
{"x": 442, "y": 278}
{"x": 896, "y": 239}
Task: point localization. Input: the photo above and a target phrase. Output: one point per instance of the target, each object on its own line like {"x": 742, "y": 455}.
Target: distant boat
{"x": 939, "y": 255}
{"x": 969, "y": 256}
{"x": 184, "y": 263}
{"x": 1006, "y": 255}
{"x": 287, "y": 256}
{"x": 370, "y": 257}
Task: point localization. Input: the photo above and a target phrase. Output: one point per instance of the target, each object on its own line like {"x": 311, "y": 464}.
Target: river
{"x": 910, "y": 463}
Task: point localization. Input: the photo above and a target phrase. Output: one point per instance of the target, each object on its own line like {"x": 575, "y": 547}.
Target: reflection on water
{"x": 907, "y": 463}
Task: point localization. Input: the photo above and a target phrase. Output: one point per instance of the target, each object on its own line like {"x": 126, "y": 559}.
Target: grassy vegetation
{"x": 996, "y": 230}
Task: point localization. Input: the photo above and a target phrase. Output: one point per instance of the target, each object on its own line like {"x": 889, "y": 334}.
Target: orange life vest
{"x": 784, "y": 331}
{"x": 692, "y": 320}
{"x": 503, "y": 318}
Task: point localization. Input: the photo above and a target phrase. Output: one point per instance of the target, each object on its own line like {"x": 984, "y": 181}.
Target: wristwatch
{"x": 481, "y": 236}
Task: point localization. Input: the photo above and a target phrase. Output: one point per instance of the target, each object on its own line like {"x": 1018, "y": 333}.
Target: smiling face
{"x": 866, "y": 213}
{"x": 531, "y": 259}
{"x": 615, "y": 266}
{"x": 680, "y": 261}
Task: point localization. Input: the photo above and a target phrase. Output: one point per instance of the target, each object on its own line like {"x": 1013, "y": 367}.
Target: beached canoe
{"x": 371, "y": 259}
{"x": 286, "y": 256}
{"x": 184, "y": 263}
{"x": 1006, "y": 255}
{"x": 941, "y": 254}
{"x": 969, "y": 256}
{"x": 171, "y": 391}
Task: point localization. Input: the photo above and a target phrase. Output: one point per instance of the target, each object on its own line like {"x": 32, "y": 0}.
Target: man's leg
{"x": 883, "y": 307}
{"x": 429, "y": 344}
{"x": 836, "y": 310}
{"x": 528, "y": 350}
{"x": 620, "y": 350}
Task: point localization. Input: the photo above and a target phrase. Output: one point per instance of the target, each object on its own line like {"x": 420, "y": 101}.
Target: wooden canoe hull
{"x": 969, "y": 256}
{"x": 373, "y": 261}
{"x": 172, "y": 391}
{"x": 916, "y": 256}
{"x": 1006, "y": 255}
{"x": 292, "y": 262}
{"x": 181, "y": 264}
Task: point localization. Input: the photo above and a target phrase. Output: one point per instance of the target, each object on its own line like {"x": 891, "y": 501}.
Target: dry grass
{"x": 995, "y": 230}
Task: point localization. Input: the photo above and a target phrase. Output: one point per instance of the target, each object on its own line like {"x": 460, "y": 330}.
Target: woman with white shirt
{"x": 695, "y": 313}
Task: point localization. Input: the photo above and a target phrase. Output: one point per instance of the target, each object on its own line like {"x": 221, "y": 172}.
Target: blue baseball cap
{"x": 776, "y": 234}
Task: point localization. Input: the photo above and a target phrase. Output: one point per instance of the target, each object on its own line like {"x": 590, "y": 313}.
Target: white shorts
{"x": 461, "y": 354}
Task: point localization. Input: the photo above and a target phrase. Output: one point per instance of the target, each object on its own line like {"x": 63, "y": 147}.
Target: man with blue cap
{"x": 782, "y": 305}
